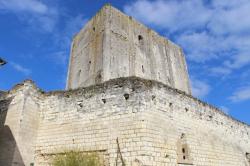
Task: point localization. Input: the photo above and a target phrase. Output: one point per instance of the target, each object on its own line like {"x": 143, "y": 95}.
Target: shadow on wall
{"x": 9, "y": 152}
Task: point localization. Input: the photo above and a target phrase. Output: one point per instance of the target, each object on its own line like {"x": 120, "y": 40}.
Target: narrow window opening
{"x": 170, "y": 104}
{"x": 183, "y": 151}
{"x": 94, "y": 29}
{"x": 142, "y": 69}
{"x": 89, "y": 65}
{"x": 79, "y": 73}
{"x": 159, "y": 75}
{"x": 98, "y": 78}
{"x": 78, "y": 76}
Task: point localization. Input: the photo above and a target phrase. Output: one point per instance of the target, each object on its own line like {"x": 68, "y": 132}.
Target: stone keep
{"x": 114, "y": 45}
{"x": 146, "y": 118}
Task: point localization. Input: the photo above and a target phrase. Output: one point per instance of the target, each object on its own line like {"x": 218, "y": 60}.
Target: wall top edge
{"x": 108, "y": 8}
{"x": 139, "y": 84}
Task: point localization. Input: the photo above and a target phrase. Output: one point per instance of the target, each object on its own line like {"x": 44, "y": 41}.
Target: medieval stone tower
{"x": 114, "y": 45}
{"x": 128, "y": 99}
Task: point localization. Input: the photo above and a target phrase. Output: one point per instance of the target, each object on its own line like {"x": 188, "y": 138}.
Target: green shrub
{"x": 76, "y": 159}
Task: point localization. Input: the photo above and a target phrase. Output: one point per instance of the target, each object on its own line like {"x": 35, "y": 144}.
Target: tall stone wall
{"x": 207, "y": 135}
{"x": 19, "y": 112}
{"x": 152, "y": 123}
{"x": 86, "y": 60}
{"x": 91, "y": 120}
{"x": 126, "y": 120}
{"x": 114, "y": 45}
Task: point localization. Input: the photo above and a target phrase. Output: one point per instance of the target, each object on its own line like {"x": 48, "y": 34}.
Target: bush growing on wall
{"x": 76, "y": 159}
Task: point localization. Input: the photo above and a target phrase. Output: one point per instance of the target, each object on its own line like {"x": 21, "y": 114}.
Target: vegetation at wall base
{"x": 74, "y": 158}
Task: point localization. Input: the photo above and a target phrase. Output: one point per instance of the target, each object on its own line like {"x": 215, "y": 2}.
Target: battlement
{"x": 113, "y": 45}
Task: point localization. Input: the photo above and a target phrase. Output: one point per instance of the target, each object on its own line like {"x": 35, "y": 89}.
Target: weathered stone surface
{"x": 113, "y": 45}
{"x": 129, "y": 120}
{"x": 152, "y": 122}
{"x": 19, "y": 125}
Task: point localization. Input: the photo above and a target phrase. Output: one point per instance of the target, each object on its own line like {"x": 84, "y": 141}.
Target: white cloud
{"x": 227, "y": 15}
{"x": 228, "y": 4}
{"x": 33, "y": 12}
{"x": 241, "y": 94}
{"x": 220, "y": 71}
{"x": 172, "y": 15}
{"x": 59, "y": 57}
{"x": 199, "y": 46}
{"x": 33, "y": 6}
{"x": 64, "y": 38}
{"x": 199, "y": 88}
{"x": 71, "y": 27}
{"x": 238, "y": 61}
{"x": 20, "y": 68}
{"x": 207, "y": 30}
{"x": 245, "y": 76}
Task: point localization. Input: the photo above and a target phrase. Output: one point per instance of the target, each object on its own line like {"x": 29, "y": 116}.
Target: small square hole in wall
{"x": 140, "y": 38}
{"x": 104, "y": 101}
{"x": 126, "y": 96}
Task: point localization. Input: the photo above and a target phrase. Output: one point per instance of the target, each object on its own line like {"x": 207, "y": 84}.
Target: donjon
{"x": 128, "y": 99}
{"x": 113, "y": 45}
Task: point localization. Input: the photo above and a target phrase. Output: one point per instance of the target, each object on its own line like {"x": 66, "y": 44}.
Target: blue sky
{"x": 35, "y": 37}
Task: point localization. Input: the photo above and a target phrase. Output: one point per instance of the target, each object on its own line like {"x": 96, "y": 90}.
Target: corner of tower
{"x": 88, "y": 44}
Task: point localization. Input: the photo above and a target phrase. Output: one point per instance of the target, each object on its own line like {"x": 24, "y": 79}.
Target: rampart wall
{"x": 19, "y": 112}
{"x": 153, "y": 124}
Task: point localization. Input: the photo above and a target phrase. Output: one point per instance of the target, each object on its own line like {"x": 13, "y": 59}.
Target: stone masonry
{"x": 127, "y": 117}
{"x": 114, "y": 45}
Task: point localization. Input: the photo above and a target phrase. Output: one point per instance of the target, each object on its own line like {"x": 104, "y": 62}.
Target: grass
{"x": 77, "y": 159}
